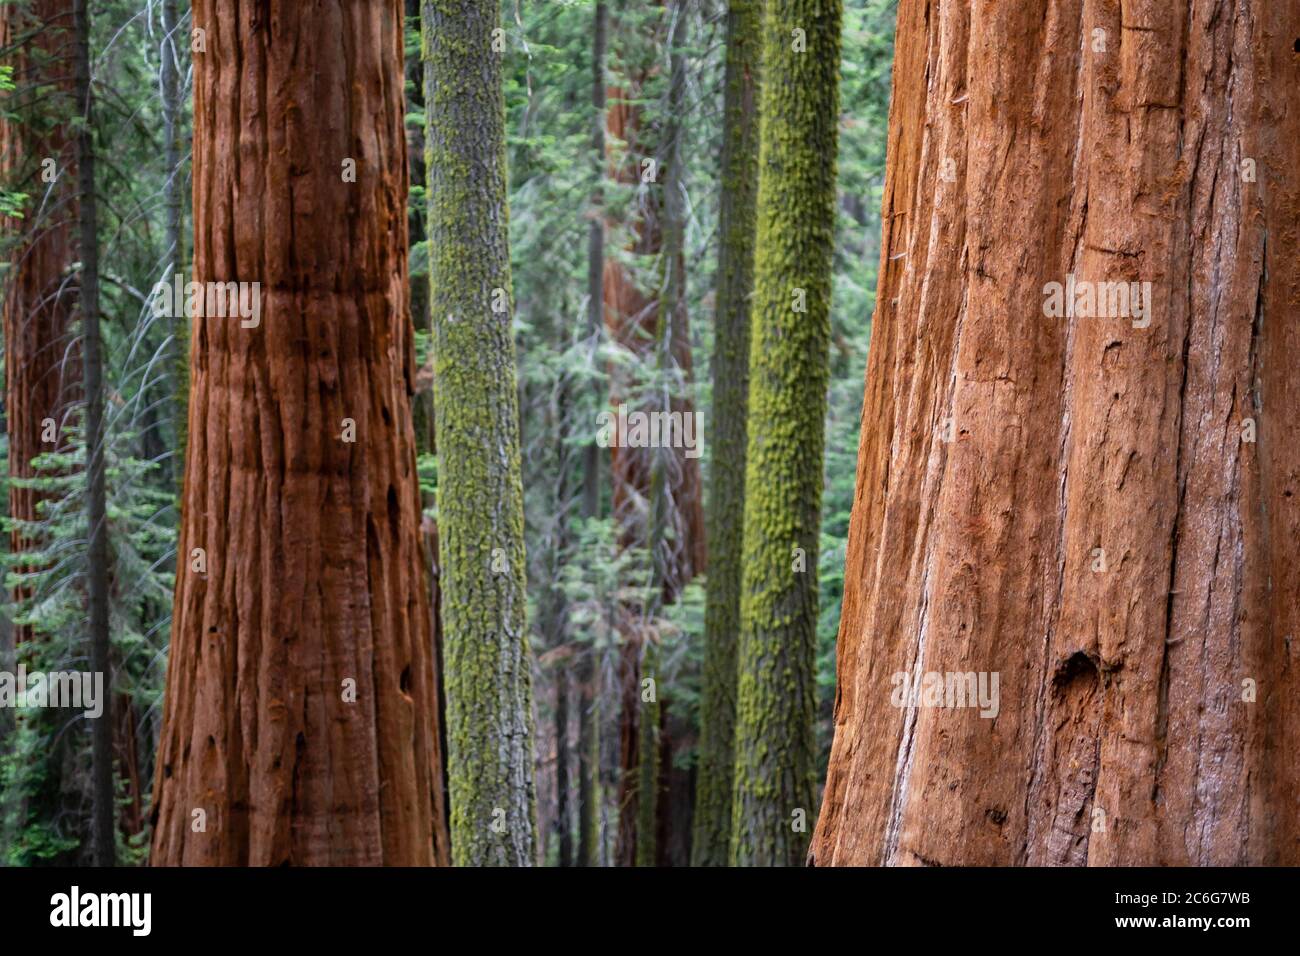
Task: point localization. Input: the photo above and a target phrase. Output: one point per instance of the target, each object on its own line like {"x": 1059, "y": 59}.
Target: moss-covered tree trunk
{"x": 299, "y": 725}
{"x": 775, "y": 760}
{"x": 724, "y": 516}
{"x": 42, "y": 372}
{"x": 480, "y": 497}
{"x": 1097, "y": 506}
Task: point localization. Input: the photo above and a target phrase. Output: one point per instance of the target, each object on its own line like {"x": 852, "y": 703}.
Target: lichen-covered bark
{"x": 724, "y": 516}
{"x": 301, "y": 705}
{"x": 774, "y": 748}
{"x": 476, "y": 417}
{"x": 1030, "y": 142}
{"x": 42, "y": 367}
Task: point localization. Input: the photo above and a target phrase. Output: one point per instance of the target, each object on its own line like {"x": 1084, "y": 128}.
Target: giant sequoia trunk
{"x": 41, "y": 367}
{"x": 1101, "y": 509}
{"x": 476, "y": 415}
{"x": 301, "y": 707}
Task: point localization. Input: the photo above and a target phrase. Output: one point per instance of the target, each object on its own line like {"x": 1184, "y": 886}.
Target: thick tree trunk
{"x": 774, "y": 748}
{"x": 42, "y": 371}
{"x": 1111, "y": 527}
{"x": 724, "y": 515}
{"x": 300, "y": 715}
{"x": 480, "y": 495}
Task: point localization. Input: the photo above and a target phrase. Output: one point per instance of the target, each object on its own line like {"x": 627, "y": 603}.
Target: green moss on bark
{"x": 774, "y": 743}
{"x": 725, "y": 516}
{"x": 480, "y": 497}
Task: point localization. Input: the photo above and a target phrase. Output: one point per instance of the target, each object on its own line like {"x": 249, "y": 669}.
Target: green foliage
{"x": 45, "y": 762}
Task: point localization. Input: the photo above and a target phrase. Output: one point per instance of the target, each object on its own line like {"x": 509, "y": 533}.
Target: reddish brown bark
{"x": 42, "y": 367}
{"x": 1122, "y": 735}
{"x": 314, "y": 567}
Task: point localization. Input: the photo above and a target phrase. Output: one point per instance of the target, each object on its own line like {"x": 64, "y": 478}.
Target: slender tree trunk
{"x": 1097, "y": 506}
{"x": 423, "y": 408}
{"x": 669, "y": 382}
{"x": 480, "y": 496}
{"x": 41, "y": 362}
{"x": 102, "y": 828}
{"x": 724, "y": 516}
{"x": 589, "y": 790}
{"x": 596, "y": 247}
{"x": 635, "y": 318}
{"x": 629, "y": 749}
{"x": 429, "y": 532}
{"x": 173, "y": 202}
{"x": 300, "y": 719}
{"x": 647, "y": 763}
{"x": 562, "y": 815}
{"x": 775, "y": 755}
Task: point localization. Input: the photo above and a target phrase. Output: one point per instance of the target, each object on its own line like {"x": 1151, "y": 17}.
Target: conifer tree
{"x": 476, "y": 420}
{"x": 798, "y": 129}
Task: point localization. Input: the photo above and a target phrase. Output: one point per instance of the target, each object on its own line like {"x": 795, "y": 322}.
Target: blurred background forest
{"x": 592, "y": 588}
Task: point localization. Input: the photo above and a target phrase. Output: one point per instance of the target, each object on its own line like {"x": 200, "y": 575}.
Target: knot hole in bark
{"x": 1073, "y": 759}
{"x": 1078, "y": 665}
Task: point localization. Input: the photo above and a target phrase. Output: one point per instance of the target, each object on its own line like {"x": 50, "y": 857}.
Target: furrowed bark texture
{"x": 314, "y": 569}
{"x": 725, "y": 514}
{"x": 42, "y": 366}
{"x": 775, "y": 755}
{"x": 476, "y": 419}
{"x": 1155, "y": 142}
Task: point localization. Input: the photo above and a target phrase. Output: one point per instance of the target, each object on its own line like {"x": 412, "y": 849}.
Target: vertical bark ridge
{"x": 314, "y": 574}
{"x": 1116, "y": 156}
